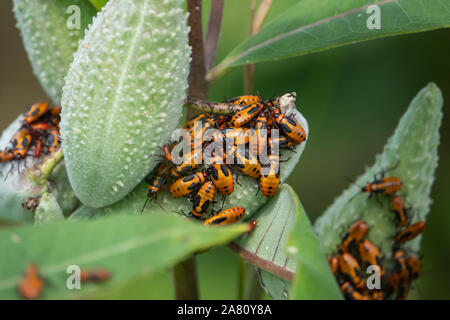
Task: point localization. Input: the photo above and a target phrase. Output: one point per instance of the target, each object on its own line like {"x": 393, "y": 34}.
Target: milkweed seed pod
{"x": 123, "y": 96}
{"x": 51, "y": 30}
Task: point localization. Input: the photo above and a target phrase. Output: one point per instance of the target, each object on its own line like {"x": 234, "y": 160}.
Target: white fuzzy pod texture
{"x": 50, "y": 33}
{"x": 123, "y": 96}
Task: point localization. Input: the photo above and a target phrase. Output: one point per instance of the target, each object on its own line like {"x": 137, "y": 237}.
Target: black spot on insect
{"x": 35, "y": 112}
{"x": 188, "y": 178}
{"x": 205, "y": 205}
{"x": 291, "y": 121}
{"x": 197, "y": 201}
{"x": 285, "y": 128}
{"x": 214, "y": 173}
{"x": 24, "y": 142}
{"x": 219, "y": 220}
{"x": 225, "y": 170}
{"x": 253, "y": 109}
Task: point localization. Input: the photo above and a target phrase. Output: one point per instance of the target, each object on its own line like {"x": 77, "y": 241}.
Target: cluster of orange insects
{"x": 39, "y": 132}
{"x": 355, "y": 251}
{"x": 255, "y": 116}
{"x": 32, "y": 284}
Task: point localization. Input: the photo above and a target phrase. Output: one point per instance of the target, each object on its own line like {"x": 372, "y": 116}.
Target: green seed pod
{"x": 51, "y": 30}
{"x": 123, "y": 96}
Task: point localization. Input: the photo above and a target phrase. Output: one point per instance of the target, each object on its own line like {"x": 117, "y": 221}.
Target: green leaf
{"x": 412, "y": 150}
{"x": 313, "y": 279}
{"x": 123, "y": 96}
{"x": 128, "y": 247}
{"x": 98, "y": 4}
{"x": 277, "y": 288}
{"x": 312, "y": 26}
{"x": 265, "y": 245}
{"x": 50, "y": 35}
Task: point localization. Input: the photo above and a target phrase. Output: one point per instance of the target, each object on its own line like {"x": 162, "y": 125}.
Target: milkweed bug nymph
{"x": 228, "y": 216}
{"x": 410, "y": 232}
{"x": 185, "y": 185}
{"x": 30, "y": 287}
{"x": 350, "y": 269}
{"x": 203, "y": 198}
{"x": 354, "y": 236}
{"x": 95, "y": 275}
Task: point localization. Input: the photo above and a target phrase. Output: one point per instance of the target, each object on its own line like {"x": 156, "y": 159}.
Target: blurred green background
{"x": 352, "y": 98}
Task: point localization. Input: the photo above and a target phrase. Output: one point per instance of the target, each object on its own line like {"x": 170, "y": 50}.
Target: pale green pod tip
{"x": 51, "y": 30}
{"x": 48, "y": 210}
{"x": 123, "y": 96}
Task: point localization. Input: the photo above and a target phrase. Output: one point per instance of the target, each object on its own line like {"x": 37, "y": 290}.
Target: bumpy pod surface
{"x": 51, "y": 30}
{"x": 123, "y": 96}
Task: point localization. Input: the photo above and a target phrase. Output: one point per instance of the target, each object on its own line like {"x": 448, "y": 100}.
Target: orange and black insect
{"x": 401, "y": 213}
{"x": 273, "y": 103}
{"x": 221, "y": 175}
{"x": 156, "y": 182}
{"x": 283, "y": 142}
{"x": 246, "y": 163}
{"x": 350, "y": 269}
{"x": 355, "y": 234}
{"x": 251, "y": 226}
{"x": 414, "y": 266}
{"x": 185, "y": 185}
{"x": 290, "y": 127}
{"x": 384, "y": 185}
{"x": 334, "y": 264}
{"x": 31, "y": 286}
{"x": 198, "y": 132}
{"x": 240, "y": 136}
{"x": 377, "y": 295}
{"x": 399, "y": 280}
{"x": 244, "y": 116}
{"x": 410, "y": 232}
{"x": 6, "y": 155}
{"x": 40, "y": 127}
{"x": 20, "y": 143}
{"x": 95, "y": 275}
{"x": 203, "y": 198}
{"x": 227, "y": 216}
{"x": 201, "y": 117}
{"x": 35, "y": 112}
{"x": 401, "y": 266}
{"x": 370, "y": 254}
{"x": 351, "y": 293}
{"x": 189, "y": 162}
{"x": 261, "y": 134}
{"x": 55, "y": 115}
{"x": 245, "y": 100}
{"x": 270, "y": 176}
{"x": 52, "y": 141}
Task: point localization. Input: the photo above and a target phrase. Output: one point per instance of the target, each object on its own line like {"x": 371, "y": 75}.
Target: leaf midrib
{"x": 301, "y": 29}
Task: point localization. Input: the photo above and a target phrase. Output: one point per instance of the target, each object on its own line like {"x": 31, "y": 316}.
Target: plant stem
{"x": 211, "y": 107}
{"x": 198, "y": 86}
{"x": 185, "y": 279}
{"x": 185, "y": 272}
{"x": 213, "y": 31}
{"x": 256, "y": 22}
